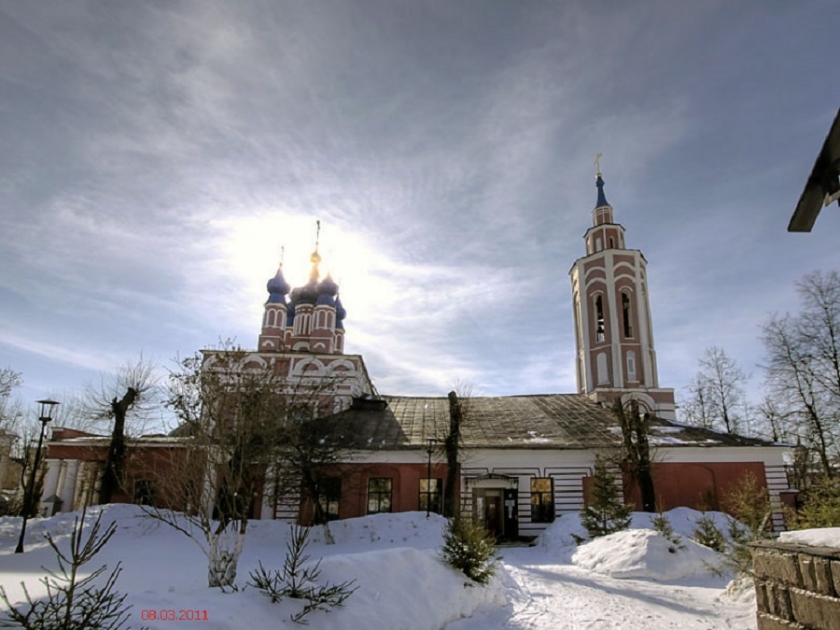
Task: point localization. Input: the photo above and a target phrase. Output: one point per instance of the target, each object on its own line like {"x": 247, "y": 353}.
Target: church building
{"x": 524, "y": 460}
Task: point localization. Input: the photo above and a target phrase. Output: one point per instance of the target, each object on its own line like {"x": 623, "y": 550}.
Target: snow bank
{"x": 559, "y": 536}
{"x": 404, "y": 529}
{"x": 644, "y": 553}
{"x": 394, "y": 559}
{"x": 683, "y": 520}
{"x": 411, "y": 589}
{"x": 825, "y": 537}
{"x": 638, "y": 551}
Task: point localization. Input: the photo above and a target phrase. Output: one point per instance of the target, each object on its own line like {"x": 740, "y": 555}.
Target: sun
{"x": 253, "y": 247}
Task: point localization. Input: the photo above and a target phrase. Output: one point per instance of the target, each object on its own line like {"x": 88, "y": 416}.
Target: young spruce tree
{"x": 605, "y": 512}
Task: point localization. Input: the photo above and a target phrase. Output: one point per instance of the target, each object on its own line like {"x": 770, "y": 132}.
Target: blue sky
{"x": 157, "y": 155}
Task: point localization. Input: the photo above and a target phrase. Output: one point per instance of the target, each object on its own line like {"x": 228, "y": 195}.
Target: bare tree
{"x": 819, "y": 324}
{"x": 129, "y": 394}
{"x": 25, "y": 502}
{"x": 775, "y": 421}
{"x": 244, "y": 426}
{"x": 802, "y": 369}
{"x": 452, "y": 446}
{"x": 10, "y": 411}
{"x": 636, "y": 457}
{"x": 696, "y": 408}
{"x": 9, "y": 379}
{"x": 21, "y": 437}
{"x": 717, "y": 392}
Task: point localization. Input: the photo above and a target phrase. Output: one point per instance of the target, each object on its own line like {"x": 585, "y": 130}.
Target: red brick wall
{"x": 405, "y": 495}
{"x": 694, "y": 485}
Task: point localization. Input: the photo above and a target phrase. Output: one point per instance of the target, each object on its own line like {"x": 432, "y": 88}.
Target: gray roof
{"x": 553, "y": 421}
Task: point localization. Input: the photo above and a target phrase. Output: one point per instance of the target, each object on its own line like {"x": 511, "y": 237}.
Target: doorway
{"x": 495, "y": 504}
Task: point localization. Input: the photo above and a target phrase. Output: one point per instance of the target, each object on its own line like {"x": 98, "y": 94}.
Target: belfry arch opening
{"x": 626, "y": 315}
{"x": 599, "y": 319}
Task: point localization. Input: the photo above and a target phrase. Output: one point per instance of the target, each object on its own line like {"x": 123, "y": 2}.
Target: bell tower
{"x": 615, "y": 355}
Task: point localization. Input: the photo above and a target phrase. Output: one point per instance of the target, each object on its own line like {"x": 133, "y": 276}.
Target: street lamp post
{"x": 28, "y": 498}
{"x": 429, "y": 449}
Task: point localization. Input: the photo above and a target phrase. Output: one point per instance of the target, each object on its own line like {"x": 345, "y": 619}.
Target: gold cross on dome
{"x": 597, "y": 163}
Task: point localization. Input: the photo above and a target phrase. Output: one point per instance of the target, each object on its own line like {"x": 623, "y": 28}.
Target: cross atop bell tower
{"x": 615, "y": 355}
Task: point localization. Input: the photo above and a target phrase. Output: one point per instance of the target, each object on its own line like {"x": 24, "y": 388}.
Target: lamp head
{"x": 47, "y": 407}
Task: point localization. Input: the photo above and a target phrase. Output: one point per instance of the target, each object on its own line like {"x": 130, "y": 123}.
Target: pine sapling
{"x": 662, "y": 524}
{"x": 708, "y": 534}
{"x": 299, "y": 579}
{"x": 73, "y": 602}
{"x": 471, "y": 549}
{"x": 605, "y": 512}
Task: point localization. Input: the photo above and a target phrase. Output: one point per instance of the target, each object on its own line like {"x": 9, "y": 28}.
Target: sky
{"x": 158, "y": 155}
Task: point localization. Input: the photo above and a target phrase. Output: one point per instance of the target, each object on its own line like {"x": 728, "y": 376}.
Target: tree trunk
{"x": 452, "y": 445}
{"x": 634, "y": 430}
{"x": 115, "y": 462}
{"x": 223, "y": 559}
{"x": 643, "y": 467}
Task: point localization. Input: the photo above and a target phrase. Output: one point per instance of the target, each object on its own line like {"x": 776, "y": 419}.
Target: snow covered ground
{"x": 629, "y": 580}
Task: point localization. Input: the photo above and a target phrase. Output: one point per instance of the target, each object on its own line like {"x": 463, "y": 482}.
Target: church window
{"x": 612, "y": 242}
{"x": 329, "y": 497}
{"x": 625, "y": 309}
{"x": 631, "y": 366}
{"x": 430, "y": 495}
{"x": 599, "y": 319}
{"x": 603, "y": 377}
{"x": 379, "y": 494}
{"x": 598, "y": 245}
{"x": 542, "y": 500}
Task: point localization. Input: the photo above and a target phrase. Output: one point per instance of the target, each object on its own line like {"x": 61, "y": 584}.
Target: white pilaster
{"x": 615, "y": 330}
{"x": 68, "y": 488}
{"x": 50, "y": 486}
{"x": 267, "y": 510}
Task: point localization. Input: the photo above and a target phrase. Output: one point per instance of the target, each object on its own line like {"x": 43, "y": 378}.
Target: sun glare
{"x": 253, "y": 248}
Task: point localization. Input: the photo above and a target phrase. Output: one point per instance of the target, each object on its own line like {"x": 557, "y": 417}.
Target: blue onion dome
{"x": 327, "y": 290}
{"x": 278, "y": 288}
{"x": 328, "y": 286}
{"x": 308, "y": 293}
{"x": 602, "y": 198}
{"x": 340, "y": 313}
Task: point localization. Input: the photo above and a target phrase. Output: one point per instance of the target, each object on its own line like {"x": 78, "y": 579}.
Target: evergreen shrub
{"x": 605, "y": 512}
{"x": 471, "y": 549}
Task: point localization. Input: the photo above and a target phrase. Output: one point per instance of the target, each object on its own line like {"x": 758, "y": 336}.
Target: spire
{"x": 315, "y": 258}
{"x": 602, "y": 198}
{"x": 599, "y": 183}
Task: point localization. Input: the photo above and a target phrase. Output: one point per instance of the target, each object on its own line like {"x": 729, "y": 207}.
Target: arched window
{"x": 598, "y": 245}
{"x": 631, "y": 367}
{"x": 612, "y": 242}
{"x": 599, "y": 319}
{"x": 625, "y": 309}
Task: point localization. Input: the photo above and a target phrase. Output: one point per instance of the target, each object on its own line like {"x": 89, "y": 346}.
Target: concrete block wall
{"x": 797, "y": 587}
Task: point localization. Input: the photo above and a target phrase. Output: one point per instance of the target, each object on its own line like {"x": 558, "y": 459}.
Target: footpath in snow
{"x": 629, "y": 580}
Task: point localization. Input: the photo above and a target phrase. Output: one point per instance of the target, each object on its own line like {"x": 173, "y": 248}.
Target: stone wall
{"x": 797, "y": 586}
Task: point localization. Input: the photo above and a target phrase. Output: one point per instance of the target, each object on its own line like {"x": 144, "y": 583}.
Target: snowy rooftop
{"x": 551, "y": 421}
